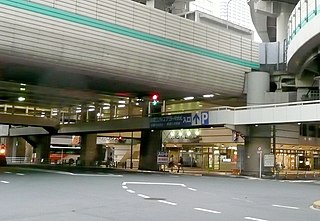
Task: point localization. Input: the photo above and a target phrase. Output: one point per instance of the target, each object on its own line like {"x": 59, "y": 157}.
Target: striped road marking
{"x": 207, "y": 210}
{"x": 255, "y": 219}
{"x": 167, "y": 202}
{"x": 286, "y": 207}
{"x": 5, "y": 182}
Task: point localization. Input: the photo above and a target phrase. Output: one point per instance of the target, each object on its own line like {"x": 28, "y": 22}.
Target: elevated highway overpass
{"x": 133, "y": 49}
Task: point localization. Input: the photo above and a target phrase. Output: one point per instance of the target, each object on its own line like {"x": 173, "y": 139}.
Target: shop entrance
{"x": 216, "y": 157}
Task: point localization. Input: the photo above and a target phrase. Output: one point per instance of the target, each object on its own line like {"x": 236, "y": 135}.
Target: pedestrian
{"x": 171, "y": 163}
{"x": 180, "y": 165}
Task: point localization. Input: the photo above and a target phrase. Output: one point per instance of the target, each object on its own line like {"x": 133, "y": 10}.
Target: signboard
{"x": 268, "y": 160}
{"x": 171, "y": 121}
{"x": 201, "y": 118}
{"x": 162, "y": 157}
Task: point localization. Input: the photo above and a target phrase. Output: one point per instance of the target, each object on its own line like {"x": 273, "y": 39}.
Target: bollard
{"x": 297, "y": 174}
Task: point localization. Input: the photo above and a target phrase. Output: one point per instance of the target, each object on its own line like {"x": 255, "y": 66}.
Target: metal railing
{"x": 303, "y": 13}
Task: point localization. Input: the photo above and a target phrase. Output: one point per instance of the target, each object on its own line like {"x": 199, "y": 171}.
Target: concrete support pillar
{"x": 89, "y": 152}
{"x": 20, "y": 144}
{"x": 151, "y": 142}
{"x": 28, "y": 153}
{"x": 42, "y": 146}
{"x": 259, "y": 138}
{"x": 9, "y": 143}
{"x": 282, "y": 21}
{"x": 258, "y": 85}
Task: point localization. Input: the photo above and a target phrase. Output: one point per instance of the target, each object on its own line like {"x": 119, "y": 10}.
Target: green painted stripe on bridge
{"x": 121, "y": 30}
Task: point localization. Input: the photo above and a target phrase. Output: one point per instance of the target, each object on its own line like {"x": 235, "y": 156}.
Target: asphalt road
{"x": 34, "y": 195}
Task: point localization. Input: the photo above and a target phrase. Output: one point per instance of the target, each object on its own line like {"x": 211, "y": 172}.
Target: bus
{"x": 64, "y": 155}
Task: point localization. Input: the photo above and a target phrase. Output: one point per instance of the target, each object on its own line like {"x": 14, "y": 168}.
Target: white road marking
{"x": 6, "y": 182}
{"x": 149, "y": 183}
{"x": 130, "y": 191}
{"x": 7, "y": 172}
{"x": 19, "y": 174}
{"x": 144, "y": 196}
{"x": 311, "y": 207}
{"x": 76, "y": 174}
{"x": 167, "y": 202}
{"x": 286, "y": 207}
{"x": 207, "y": 210}
{"x": 124, "y": 187}
{"x": 192, "y": 189}
{"x": 255, "y": 219}
{"x": 96, "y": 175}
{"x": 254, "y": 178}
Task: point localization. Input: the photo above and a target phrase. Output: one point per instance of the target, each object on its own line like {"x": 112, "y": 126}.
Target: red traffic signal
{"x": 155, "y": 97}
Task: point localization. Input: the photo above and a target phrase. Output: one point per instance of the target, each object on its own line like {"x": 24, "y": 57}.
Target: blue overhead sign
{"x": 201, "y": 118}
{"x": 171, "y": 121}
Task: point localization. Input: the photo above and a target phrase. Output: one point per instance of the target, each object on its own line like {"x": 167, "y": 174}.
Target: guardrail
{"x": 18, "y": 160}
{"x": 303, "y": 13}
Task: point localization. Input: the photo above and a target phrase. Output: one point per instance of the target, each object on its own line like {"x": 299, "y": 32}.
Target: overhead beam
{"x": 29, "y": 121}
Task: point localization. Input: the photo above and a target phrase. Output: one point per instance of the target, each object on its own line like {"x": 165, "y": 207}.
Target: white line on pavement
{"x": 207, "y": 210}
{"x": 286, "y": 207}
{"x": 144, "y": 196}
{"x": 149, "y": 183}
{"x": 6, "y": 182}
{"x": 192, "y": 189}
{"x": 96, "y": 175}
{"x": 255, "y": 219}
{"x": 124, "y": 187}
{"x": 19, "y": 174}
{"x": 130, "y": 191}
{"x": 167, "y": 202}
{"x": 7, "y": 172}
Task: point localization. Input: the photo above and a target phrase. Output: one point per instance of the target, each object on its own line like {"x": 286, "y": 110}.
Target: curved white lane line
{"x": 19, "y": 174}
{"x": 312, "y": 207}
{"x": 207, "y": 210}
{"x": 5, "y": 182}
{"x": 255, "y": 219}
{"x": 144, "y": 196}
{"x": 130, "y": 191}
{"x": 167, "y": 202}
{"x": 192, "y": 189}
{"x": 286, "y": 207}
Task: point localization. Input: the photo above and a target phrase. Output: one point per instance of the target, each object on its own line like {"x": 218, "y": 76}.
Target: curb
{"x": 316, "y": 204}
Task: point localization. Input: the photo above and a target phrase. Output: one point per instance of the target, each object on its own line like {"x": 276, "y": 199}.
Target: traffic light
{"x": 2, "y": 149}
{"x": 155, "y": 99}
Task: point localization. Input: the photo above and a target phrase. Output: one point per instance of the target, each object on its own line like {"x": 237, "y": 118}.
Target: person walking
{"x": 180, "y": 165}
{"x": 171, "y": 163}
